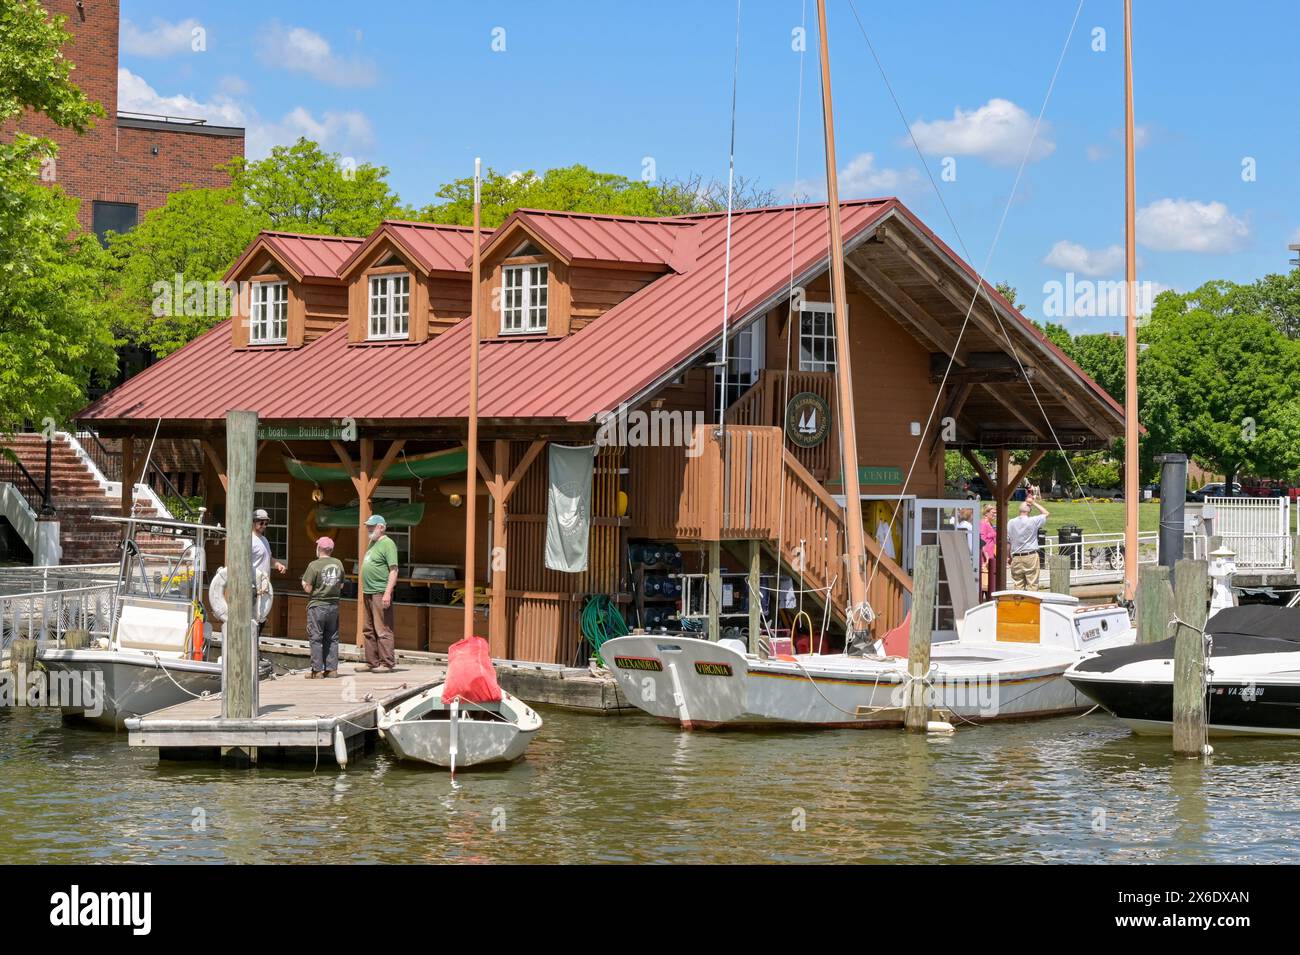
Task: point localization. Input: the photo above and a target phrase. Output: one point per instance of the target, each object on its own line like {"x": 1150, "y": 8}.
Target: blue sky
{"x": 423, "y": 88}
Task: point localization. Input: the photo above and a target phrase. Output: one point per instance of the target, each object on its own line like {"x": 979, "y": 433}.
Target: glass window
{"x": 269, "y": 321}
{"x": 274, "y": 499}
{"x": 817, "y": 338}
{"x": 390, "y": 306}
{"x": 109, "y": 217}
{"x": 524, "y": 299}
{"x": 744, "y": 362}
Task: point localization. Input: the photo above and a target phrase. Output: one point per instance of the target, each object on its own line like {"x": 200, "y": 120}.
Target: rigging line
{"x": 790, "y": 316}
{"x": 952, "y": 222}
{"x": 947, "y": 212}
{"x": 726, "y": 270}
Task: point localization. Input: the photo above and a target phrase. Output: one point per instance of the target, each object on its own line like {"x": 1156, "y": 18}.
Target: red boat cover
{"x": 896, "y": 640}
{"x": 470, "y": 675}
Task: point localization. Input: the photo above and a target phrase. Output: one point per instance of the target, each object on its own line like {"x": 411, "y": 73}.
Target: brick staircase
{"x": 77, "y": 496}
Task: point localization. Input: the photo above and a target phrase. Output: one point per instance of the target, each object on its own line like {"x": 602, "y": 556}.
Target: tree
{"x": 1221, "y": 383}
{"x": 53, "y": 340}
{"x": 579, "y": 189}
{"x": 199, "y": 233}
{"x": 302, "y": 188}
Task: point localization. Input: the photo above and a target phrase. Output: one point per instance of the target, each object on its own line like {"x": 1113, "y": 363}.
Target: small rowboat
{"x": 459, "y": 733}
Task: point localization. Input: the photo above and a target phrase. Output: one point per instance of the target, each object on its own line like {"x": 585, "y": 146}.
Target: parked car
{"x": 1213, "y": 489}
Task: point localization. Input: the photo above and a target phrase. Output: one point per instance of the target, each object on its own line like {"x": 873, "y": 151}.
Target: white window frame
{"x": 745, "y": 359}
{"x": 393, "y": 289}
{"x": 268, "y": 312}
{"x": 810, "y": 339}
{"x": 261, "y": 487}
{"x": 530, "y": 314}
{"x": 401, "y": 535}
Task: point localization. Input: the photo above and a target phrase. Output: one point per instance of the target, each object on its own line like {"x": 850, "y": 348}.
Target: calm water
{"x": 632, "y": 790}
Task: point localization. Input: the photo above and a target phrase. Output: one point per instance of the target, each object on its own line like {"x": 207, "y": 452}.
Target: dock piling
{"x": 1155, "y": 603}
{"x": 1058, "y": 573}
{"x": 1191, "y": 578}
{"x": 239, "y": 642}
{"x": 916, "y": 713}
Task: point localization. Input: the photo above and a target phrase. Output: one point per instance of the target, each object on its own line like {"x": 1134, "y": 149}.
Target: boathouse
{"x": 608, "y": 331}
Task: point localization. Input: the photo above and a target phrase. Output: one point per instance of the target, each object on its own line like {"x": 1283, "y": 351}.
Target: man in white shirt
{"x": 262, "y": 560}
{"x": 1022, "y": 540}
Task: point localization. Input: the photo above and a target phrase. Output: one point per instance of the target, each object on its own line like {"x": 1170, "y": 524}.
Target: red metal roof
{"x": 440, "y": 248}
{"x": 310, "y": 256}
{"x": 626, "y": 240}
{"x": 619, "y": 357}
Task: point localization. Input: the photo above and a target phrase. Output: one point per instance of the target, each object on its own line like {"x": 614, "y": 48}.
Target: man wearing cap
{"x": 323, "y": 581}
{"x": 262, "y": 560}
{"x": 378, "y": 577}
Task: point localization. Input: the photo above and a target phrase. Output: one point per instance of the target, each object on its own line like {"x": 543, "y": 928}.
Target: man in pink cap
{"x": 323, "y": 581}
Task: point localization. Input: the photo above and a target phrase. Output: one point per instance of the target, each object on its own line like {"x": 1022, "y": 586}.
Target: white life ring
{"x": 261, "y": 598}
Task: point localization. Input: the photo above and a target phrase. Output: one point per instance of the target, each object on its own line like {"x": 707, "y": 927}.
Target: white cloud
{"x": 860, "y": 178}
{"x": 134, "y": 95}
{"x": 1184, "y": 225}
{"x": 345, "y": 131}
{"x": 1073, "y": 257}
{"x": 163, "y": 38}
{"x": 999, "y": 131}
{"x": 306, "y": 51}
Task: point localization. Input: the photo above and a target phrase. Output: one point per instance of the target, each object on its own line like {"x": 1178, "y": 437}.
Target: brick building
{"x": 128, "y": 163}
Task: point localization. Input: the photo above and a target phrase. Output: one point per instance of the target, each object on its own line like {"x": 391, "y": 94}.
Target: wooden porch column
{"x": 128, "y": 475}
{"x": 1001, "y": 494}
{"x": 365, "y": 480}
{"x": 715, "y": 590}
{"x": 501, "y": 487}
{"x": 755, "y": 599}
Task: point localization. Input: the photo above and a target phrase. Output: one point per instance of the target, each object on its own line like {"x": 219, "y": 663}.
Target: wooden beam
{"x": 362, "y": 482}
{"x": 394, "y": 448}
{"x": 215, "y": 459}
{"x": 982, "y": 471}
{"x": 1010, "y": 407}
{"x": 521, "y": 469}
{"x": 905, "y": 307}
{"x": 1034, "y": 458}
{"x": 981, "y": 367}
{"x": 348, "y": 463}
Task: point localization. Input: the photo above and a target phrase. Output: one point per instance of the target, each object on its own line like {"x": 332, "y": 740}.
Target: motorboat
{"x": 1252, "y": 685}
{"x": 153, "y": 654}
{"x": 1007, "y": 663}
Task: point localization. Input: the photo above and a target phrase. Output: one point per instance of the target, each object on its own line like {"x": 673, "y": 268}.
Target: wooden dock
{"x": 297, "y": 716}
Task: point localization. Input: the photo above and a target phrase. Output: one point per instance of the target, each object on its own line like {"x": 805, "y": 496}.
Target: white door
{"x": 929, "y": 517}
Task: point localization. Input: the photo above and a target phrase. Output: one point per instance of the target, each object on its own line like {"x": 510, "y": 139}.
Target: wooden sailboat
{"x": 993, "y": 671}
{"x": 468, "y": 719}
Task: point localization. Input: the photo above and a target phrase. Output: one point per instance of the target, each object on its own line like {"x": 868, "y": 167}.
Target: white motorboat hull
{"x": 420, "y": 729}
{"x": 703, "y": 685}
{"x": 117, "y": 684}
{"x": 1009, "y": 664}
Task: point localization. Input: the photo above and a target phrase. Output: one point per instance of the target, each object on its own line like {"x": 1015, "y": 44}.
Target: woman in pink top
{"x": 988, "y": 546}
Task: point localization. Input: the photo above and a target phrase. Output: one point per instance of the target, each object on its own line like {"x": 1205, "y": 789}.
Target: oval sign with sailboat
{"x": 807, "y": 419}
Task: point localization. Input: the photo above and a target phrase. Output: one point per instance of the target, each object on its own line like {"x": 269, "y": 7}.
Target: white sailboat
{"x": 1008, "y": 662}
{"x": 467, "y": 720}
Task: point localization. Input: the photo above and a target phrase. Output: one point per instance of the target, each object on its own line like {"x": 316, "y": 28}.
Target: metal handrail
{"x": 109, "y": 462}
{"x": 14, "y": 472}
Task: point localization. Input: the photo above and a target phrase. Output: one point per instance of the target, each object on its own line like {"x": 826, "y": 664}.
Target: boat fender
{"x": 261, "y": 598}
{"x": 939, "y": 726}
{"x": 733, "y": 644}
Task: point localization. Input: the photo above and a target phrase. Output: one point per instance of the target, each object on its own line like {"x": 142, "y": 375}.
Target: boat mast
{"x": 857, "y": 571}
{"x": 1130, "y": 327}
{"x": 471, "y": 455}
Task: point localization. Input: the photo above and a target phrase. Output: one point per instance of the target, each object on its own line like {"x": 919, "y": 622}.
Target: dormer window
{"x": 524, "y": 299}
{"x": 390, "y": 306}
{"x": 269, "y": 318}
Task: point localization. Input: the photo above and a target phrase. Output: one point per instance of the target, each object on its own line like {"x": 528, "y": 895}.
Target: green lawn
{"x": 1101, "y": 518}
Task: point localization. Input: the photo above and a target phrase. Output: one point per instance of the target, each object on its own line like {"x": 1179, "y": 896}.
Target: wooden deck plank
{"x": 294, "y": 711}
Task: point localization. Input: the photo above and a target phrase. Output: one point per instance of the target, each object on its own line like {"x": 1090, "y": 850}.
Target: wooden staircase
{"x": 748, "y": 486}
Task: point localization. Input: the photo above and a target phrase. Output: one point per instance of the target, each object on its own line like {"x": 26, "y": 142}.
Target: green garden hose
{"x": 601, "y": 621}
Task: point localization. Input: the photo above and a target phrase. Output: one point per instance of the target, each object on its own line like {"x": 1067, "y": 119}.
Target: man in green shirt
{"x": 378, "y": 577}
{"x": 323, "y": 581}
